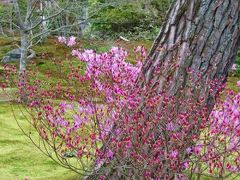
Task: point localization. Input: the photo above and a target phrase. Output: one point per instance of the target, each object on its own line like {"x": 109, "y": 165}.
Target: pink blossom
{"x": 174, "y": 154}
{"x": 170, "y": 126}
{"x": 64, "y": 105}
{"x": 234, "y": 67}
{"x": 129, "y": 144}
{"x": 110, "y": 154}
{"x": 138, "y": 49}
{"x": 238, "y": 83}
{"x": 228, "y": 166}
{"x": 62, "y": 39}
{"x": 186, "y": 164}
{"x": 189, "y": 150}
{"x": 77, "y": 120}
{"x": 102, "y": 177}
{"x": 235, "y": 169}
{"x": 71, "y": 41}
{"x": 197, "y": 149}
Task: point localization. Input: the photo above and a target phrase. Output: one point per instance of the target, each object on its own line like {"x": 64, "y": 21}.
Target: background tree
{"x": 36, "y": 19}
{"x": 29, "y": 20}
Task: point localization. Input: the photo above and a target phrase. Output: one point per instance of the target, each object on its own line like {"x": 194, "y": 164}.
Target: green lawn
{"x": 19, "y": 157}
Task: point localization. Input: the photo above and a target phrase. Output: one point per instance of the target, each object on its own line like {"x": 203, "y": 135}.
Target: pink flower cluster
{"x": 69, "y": 42}
{"x": 234, "y": 67}
{"x": 222, "y": 143}
{"x": 111, "y": 77}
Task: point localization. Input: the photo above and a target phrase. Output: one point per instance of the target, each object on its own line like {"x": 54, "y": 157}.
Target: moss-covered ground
{"x": 19, "y": 158}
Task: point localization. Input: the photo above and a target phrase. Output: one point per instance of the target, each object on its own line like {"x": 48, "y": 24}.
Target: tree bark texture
{"x": 199, "y": 35}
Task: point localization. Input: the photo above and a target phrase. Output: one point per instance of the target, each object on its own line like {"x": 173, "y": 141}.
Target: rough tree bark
{"x": 203, "y": 35}
{"x": 198, "y": 35}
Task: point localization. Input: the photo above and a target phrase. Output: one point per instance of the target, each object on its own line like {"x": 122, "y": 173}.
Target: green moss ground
{"x": 19, "y": 157}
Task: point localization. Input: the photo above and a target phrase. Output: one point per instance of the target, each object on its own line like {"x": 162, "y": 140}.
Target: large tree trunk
{"x": 199, "y": 36}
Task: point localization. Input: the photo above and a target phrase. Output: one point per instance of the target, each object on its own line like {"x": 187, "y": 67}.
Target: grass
{"x": 232, "y": 81}
{"x": 19, "y": 157}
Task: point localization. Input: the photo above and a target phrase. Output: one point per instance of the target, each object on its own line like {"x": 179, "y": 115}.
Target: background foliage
{"x": 133, "y": 19}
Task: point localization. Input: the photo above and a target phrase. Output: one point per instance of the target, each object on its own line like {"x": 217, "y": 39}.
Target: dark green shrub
{"x": 117, "y": 19}
{"x": 132, "y": 20}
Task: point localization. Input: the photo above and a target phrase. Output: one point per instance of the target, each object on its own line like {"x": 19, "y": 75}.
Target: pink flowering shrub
{"x": 224, "y": 133}
{"x": 121, "y": 120}
{"x": 219, "y": 145}
{"x": 71, "y": 41}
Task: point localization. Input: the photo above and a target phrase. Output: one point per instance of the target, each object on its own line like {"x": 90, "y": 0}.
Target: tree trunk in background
{"x": 43, "y": 26}
{"x": 84, "y": 25}
{"x": 24, "y": 52}
{"x": 201, "y": 36}
{"x": 23, "y": 64}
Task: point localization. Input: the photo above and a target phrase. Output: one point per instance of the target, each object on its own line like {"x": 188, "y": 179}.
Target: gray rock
{"x": 15, "y": 55}
{"x": 12, "y": 56}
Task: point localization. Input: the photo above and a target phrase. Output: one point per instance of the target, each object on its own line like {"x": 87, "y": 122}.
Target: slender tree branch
{"x": 45, "y": 19}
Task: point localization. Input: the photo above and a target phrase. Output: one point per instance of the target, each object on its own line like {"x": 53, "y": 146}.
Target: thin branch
{"x": 7, "y": 22}
{"x": 18, "y": 14}
{"x": 45, "y": 19}
{"x": 72, "y": 25}
{"x": 29, "y": 13}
